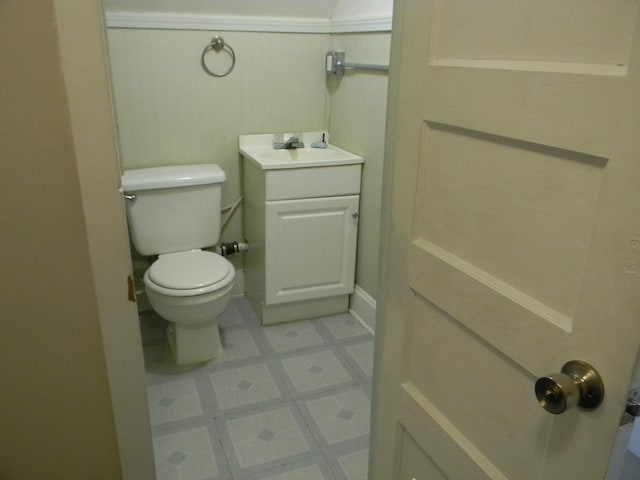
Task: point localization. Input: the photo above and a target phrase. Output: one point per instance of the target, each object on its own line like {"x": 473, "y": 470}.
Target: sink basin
{"x": 263, "y": 154}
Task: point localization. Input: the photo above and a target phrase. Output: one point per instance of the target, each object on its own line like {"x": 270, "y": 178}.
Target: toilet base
{"x": 194, "y": 343}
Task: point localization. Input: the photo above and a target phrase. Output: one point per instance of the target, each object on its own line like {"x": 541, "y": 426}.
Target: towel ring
{"x": 217, "y": 44}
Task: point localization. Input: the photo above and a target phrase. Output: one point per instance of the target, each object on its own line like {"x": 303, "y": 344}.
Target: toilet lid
{"x": 189, "y": 270}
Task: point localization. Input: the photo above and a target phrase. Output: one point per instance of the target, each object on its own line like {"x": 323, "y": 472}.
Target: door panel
{"x": 541, "y": 31}
{"x": 501, "y": 204}
{"x": 415, "y": 463}
{"x": 480, "y": 377}
{"x": 512, "y": 233}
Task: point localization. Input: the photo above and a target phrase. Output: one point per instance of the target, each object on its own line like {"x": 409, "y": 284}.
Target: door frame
{"x": 82, "y": 44}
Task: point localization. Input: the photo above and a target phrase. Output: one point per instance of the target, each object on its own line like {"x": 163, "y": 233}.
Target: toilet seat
{"x": 195, "y": 272}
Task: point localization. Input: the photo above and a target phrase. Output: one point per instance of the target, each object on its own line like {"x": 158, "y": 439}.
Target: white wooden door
{"x": 312, "y": 248}
{"x": 512, "y": 236}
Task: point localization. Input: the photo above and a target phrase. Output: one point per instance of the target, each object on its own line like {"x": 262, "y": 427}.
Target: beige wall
{"x": 358, "y": 108}
{"x": 56, "y": 417}
{"x": 64, "y": 257}
{"x": 169, "y": 111}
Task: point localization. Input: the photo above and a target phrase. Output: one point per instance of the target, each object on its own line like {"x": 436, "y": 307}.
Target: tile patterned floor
{"x": 287, "y": 402}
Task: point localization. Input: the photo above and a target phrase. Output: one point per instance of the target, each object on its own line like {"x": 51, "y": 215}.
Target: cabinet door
{"x": 310, "y": 248}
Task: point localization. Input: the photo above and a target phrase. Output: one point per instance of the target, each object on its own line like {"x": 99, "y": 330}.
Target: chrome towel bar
{"x": 336, "y": 64}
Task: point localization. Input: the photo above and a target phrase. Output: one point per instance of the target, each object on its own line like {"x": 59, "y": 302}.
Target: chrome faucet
{"x": 292, "y": 142}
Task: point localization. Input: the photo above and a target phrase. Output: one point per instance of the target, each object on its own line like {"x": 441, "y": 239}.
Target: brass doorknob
{"x": 577, "y": 384}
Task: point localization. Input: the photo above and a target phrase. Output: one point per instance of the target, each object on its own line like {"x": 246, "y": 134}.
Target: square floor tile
{"x": 341, "y": 416}
{"x": 185, "y": 455}
{"x": 344, "y": 326}
{"x": 243, "y": 386}
{"x": 246, "y": 311}
{"x": 230, "y": 317}
{"x": 158, "y": 359}
{"x": 312, "y": 472}
{"x": 160, "y": 365}
{"x": 362, "y": 354}
{"x": 238, "y": 345}
{"x": 314, "y": 371}
{"x": 266, "y": 437}
{"x": 292, "y": 336}
{"x": 153, "y": 328}
{"x": 176, "y": 400}
{"x": 355, "y": 465}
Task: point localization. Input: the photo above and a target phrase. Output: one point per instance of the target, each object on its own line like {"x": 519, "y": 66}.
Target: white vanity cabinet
{"x": 301, "y": 224}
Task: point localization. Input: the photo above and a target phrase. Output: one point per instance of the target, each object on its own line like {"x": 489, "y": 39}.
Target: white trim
{"x": 193, "y": 21}
{"x": 362, "y": 24}
{"x": 363, "y": 307}
{"x": 183, "y": 21}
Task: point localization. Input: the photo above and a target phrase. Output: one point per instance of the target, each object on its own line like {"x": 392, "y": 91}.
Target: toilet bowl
{"x": 190, "y": 289}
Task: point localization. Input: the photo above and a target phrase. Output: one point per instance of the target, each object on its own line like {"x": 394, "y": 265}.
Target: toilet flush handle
{"x": 130, "y": 196}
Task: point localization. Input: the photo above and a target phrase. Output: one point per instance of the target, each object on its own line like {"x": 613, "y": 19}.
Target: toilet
{"x": 174, "y": 212}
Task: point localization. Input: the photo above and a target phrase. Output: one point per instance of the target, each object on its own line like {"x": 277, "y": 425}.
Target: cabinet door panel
{"x": 310, "y": 248}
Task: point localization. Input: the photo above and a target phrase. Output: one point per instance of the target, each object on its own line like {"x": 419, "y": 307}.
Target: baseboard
{"x": 363, "y": 307}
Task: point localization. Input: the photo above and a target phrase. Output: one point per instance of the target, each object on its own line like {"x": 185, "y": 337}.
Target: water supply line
{"x": 227, "y": 249}
{"x": 232, "y": 209}
{"x": 231, "y": 248}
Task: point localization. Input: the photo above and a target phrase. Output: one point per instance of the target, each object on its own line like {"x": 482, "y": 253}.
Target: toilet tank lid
{"x": 171, "y": 177}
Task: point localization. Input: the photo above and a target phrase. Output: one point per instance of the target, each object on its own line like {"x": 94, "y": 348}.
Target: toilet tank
{"x": 176, "y": 208}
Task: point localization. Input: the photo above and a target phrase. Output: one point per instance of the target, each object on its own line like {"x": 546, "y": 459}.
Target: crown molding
{"x": 378, "y": 23}
{"x": 182, "y": 21}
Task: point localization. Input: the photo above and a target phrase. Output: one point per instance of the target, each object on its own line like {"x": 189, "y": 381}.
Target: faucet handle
{"x": 292, "y": 142}
{"x": 278, "y": 140}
